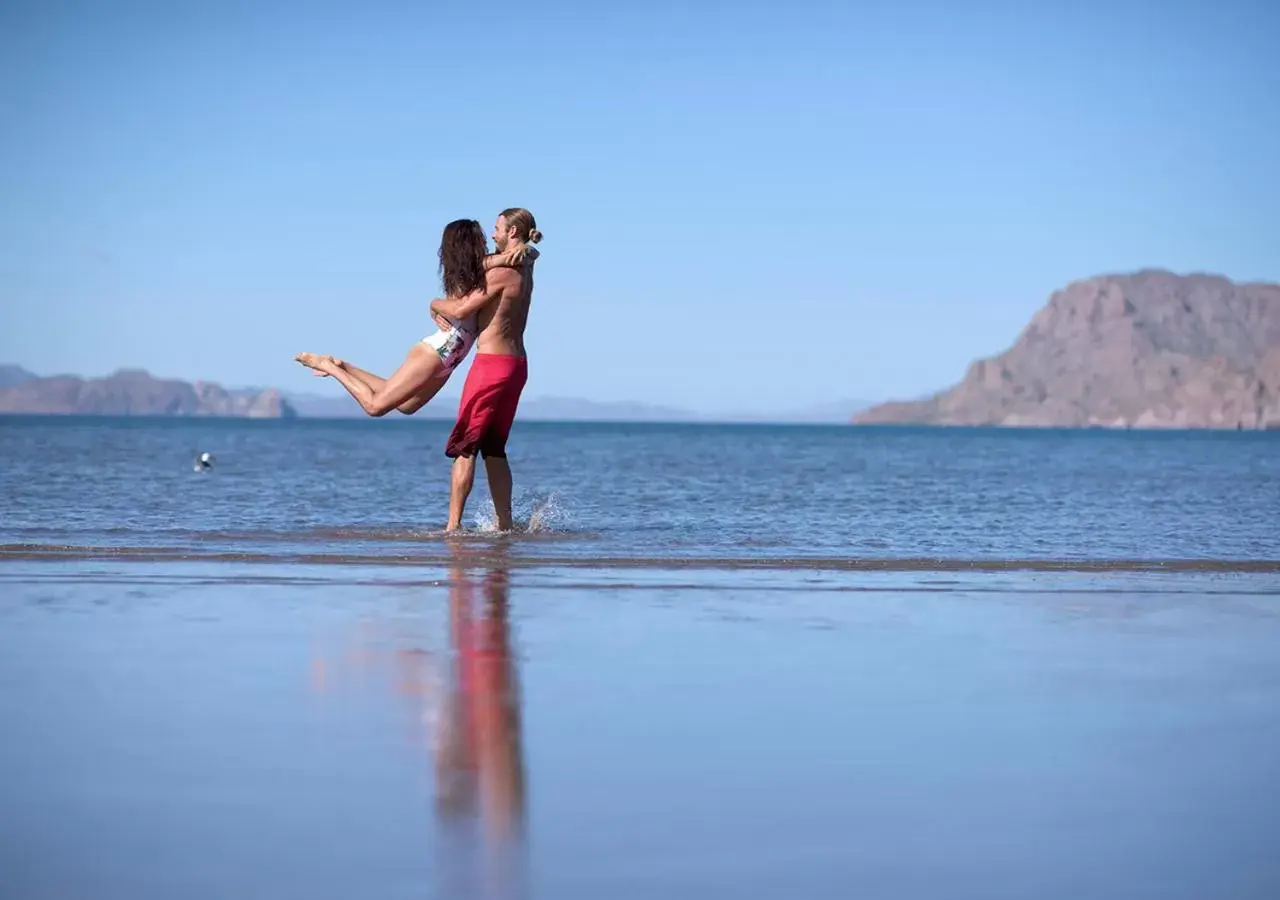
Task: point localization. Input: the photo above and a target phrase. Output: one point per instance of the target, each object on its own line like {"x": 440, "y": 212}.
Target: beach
{"x": 208, "y": 730}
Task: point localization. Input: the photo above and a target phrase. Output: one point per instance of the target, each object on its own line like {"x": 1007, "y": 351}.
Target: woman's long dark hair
{"x": 462, "y": 251}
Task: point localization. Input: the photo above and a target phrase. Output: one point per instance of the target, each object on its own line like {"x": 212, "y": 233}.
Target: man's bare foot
{"x": 320, "y": 363}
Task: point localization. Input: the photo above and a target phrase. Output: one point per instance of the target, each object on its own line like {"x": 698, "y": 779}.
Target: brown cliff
{"x": 1146, "y": 350}
{"x": 133, "y": 392}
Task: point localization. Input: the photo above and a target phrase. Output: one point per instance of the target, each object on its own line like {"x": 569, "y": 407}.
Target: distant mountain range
{"x": 132, "y": 392}
{"x": 136, "y": 392}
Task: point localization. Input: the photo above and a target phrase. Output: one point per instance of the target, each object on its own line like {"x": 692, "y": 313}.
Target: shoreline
{"x": 499, "y": 551}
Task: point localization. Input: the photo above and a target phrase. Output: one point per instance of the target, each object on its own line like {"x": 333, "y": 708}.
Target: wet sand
{"x": 478, "y": 724}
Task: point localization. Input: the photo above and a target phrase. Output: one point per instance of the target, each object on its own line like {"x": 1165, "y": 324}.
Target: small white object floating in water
{"x": 203, "y": 462}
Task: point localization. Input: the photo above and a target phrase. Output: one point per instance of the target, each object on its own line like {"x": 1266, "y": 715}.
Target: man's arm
{"x": 496, "y": 282}
{"x": 519, "y": 256}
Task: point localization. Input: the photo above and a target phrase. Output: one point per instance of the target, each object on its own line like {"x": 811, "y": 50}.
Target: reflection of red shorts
{"x": 488, "y": 407}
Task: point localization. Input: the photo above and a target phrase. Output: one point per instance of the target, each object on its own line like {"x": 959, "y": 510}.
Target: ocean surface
{"x": 646, "y": 492}
{"x": 747, "y": 661}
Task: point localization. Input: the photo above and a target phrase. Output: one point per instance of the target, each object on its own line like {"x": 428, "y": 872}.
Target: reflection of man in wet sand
{"x": 485, "y": 707}
{"x": 479, "y": 757}
{"x": 477, "y": 747}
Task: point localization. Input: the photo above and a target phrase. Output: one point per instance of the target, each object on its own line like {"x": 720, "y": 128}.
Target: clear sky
{"x": 745, "y": 206}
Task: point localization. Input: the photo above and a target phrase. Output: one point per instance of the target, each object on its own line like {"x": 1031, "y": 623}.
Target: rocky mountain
{"x": 133, "y": 392}
{"x": 1144, "y": 350}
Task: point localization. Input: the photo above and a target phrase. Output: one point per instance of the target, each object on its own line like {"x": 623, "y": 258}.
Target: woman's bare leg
{"x": 423, "y": 397}
{"x": 375, "y": 383}
{"x": 416, "y": 375}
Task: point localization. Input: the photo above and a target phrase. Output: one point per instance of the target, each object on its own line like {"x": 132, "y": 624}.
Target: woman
{"x": 463, "y": 262}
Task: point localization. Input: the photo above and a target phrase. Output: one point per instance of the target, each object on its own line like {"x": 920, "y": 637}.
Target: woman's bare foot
{"x": 321, "y": 363}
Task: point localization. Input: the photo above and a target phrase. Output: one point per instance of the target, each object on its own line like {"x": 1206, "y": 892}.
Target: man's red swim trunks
{"x": 488, "y": 407}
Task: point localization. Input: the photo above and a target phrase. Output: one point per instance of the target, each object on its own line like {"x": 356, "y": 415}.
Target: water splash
{"x": 539, "y": 514}
{"x": 486, "y": 519}
{"x": 546, "y": 515}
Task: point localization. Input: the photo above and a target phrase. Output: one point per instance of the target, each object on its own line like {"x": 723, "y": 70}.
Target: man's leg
{"x": 494, "y": 448}
{"x": 498, "y": 474}
{"x": 464, "y": 475}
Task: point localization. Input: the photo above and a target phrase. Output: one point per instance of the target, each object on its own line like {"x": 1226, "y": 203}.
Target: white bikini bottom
{"x": 452, "y": 344}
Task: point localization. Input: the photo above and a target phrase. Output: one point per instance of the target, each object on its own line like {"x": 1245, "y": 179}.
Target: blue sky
{"x": 746, "y": 206}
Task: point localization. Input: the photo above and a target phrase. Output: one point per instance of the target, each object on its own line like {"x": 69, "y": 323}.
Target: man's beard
{"x": 500, "y": 244}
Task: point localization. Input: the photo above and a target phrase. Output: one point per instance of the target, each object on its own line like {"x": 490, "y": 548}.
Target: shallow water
{"x": 657, "y": 492}
{"x": 476, "y": 729}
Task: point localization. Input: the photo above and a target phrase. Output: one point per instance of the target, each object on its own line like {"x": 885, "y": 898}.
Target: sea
{"x": 738, "y": 660}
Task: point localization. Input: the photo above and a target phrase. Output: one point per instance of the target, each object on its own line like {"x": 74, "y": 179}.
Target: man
{"x": 498, "y": 372}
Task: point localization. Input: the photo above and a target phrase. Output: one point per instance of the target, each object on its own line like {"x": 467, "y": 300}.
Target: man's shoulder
{"x": 503, "y": 278}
